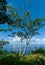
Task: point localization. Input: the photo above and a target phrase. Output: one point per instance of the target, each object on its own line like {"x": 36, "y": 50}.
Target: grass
{"x": 16, "y": 59}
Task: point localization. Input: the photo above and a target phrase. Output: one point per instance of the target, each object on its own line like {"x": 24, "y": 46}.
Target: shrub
{"x": 39, "y": 50}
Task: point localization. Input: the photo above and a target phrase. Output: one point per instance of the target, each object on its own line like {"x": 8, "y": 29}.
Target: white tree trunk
{"x": 25, "y": 49}
{"x": 27, "y": 43}
{"x": 21, "y": 46}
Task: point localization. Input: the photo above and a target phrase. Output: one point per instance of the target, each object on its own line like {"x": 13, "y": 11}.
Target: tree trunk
{"x": 25, "y": 49}
{"x": 27, "y": 43}
{"x": 21, "y": 46}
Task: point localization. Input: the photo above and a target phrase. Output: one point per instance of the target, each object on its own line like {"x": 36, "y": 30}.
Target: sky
{"x": 37, "y": 9}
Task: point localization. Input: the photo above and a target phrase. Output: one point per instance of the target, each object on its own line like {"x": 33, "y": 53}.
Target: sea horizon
{"x": 16, "y": 47}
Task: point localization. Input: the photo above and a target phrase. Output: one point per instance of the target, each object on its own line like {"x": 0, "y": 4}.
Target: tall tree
{"x": 25, "y": 27}
{"x": 31, "y": 30}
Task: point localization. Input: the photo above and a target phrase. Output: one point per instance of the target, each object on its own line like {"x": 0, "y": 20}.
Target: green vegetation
{"x": 27, "y": 28}
{"x": 39, "y": 50}
{"x": 16, "y": 59}
{"x": 3, "y": 42}
{"x": 20, "y": 25}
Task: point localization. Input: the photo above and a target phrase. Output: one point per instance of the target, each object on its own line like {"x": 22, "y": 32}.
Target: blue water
{"x": 16, "y": 47}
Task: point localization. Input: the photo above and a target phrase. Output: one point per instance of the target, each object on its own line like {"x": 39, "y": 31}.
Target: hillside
{"x": 16, "y": 59}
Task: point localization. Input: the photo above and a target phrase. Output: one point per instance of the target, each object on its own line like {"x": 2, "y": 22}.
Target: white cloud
{"x": 38, "y": 40}
{"x": 43, "y": 39}
{"x": 35, "y": 40}
{"x": 10, "y": 37}
{"x": 16, "y": 38}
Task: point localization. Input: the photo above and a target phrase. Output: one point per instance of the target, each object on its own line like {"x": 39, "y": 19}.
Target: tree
{"x": 25, "y": 27}
{"x": 15, "y": 17}
{"x": 3, "y": 12}
{"x": 32, "y": 28}
{"x": 4, "y": 17}
{"x": 18, "y": 23}
{"x": 3, "y": 42}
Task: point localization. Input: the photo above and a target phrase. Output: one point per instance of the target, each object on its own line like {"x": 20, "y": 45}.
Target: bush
{"x": 39, "y": 50}
{"x": 15, "y": 60}
{"x": 2, "y": 52}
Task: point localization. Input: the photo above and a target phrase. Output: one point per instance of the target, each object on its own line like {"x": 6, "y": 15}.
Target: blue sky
{"x": 37, "y": 8}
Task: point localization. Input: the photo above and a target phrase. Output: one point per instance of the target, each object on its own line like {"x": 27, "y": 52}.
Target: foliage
{"x": 16, "y": 59}
{"x": 39, "y": 50}
{"x": 23, "y": 27}
{"x": 3, "y": 42}
{"x": 26, "y": 28}
{"x": 3, "y": 15}
{"x": 2, "y": 52}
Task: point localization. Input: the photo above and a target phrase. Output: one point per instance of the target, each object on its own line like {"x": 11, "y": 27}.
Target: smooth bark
{"x": 21, "y": 46}
{"x": 27, "y": 43}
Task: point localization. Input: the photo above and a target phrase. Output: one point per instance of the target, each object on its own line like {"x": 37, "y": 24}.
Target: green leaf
{"x": 28, "y": 13}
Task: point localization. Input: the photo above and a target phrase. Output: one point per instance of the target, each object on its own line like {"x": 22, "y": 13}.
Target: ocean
{"x": 16, "y": 47}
